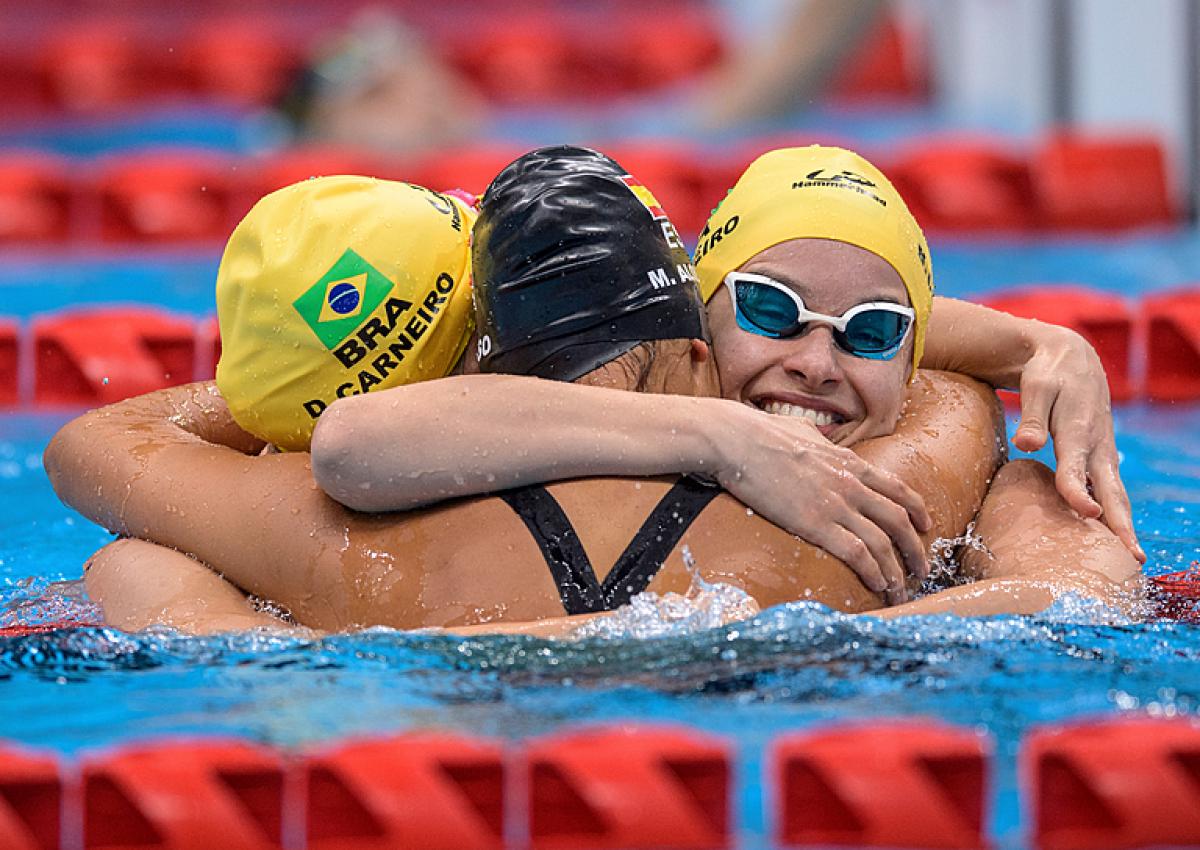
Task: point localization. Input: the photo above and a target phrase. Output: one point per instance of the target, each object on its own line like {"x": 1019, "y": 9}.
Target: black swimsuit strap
{"x": 569, "y": 565}
{"x": 578, "y": 588}
{"x": 645, "y": 554}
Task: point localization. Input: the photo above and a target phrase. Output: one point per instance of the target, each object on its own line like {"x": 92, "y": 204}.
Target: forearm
{"x": 96, "y": 461}
{"x": 1019, "y": 595}
{"x": 415, "y": 445}
{"x": 139, "y": 584}
{"x": 986, "y": 344}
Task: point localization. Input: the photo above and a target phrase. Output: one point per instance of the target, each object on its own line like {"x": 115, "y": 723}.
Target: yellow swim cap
{"x": 817, "y": 193}
{"x": 337, "y": 286}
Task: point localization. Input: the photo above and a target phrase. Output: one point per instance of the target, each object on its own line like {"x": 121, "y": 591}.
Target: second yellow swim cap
{"x": 817, "y": 192}
{"x": 337, "y": 286}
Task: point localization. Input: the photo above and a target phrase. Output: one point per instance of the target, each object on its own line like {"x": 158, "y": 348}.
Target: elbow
{"x": 335, "y": 465}
{"x": 60, "y": 454}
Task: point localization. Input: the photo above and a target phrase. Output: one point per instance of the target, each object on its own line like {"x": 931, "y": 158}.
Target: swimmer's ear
{"x": 701, "y": 352}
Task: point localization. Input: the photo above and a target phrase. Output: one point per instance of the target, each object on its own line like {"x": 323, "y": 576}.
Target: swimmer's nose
{"x": 812, "y": 357}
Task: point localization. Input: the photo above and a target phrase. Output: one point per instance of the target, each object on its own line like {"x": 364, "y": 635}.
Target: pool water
{"x": 790, "y": 668}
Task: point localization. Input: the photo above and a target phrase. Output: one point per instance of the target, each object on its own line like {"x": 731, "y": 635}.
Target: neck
{"x": 665, "y": 367}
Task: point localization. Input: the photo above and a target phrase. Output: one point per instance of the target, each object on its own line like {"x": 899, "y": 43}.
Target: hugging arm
{"x": 1037, "y": 550}
{"x": 414, "y": 445}
{"x": 138, "y": 584}
{"x": 1064, "y": 394}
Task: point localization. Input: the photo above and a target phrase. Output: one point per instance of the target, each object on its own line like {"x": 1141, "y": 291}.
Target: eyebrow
{"x": 778, "y": 274}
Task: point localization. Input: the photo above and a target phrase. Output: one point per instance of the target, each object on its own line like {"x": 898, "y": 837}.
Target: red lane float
{"x": 1102, "y": 183}
{"x": 36, "y": 198}
{"x": 31, "y": 794}
{"x": 184, "y": 796}
{"x": 888, "y": 785}
{"x": 167, "y": 196}
{"x": 10, "y": 359}
{"x": 1103, "y": 320}
{"x": 470, "y": 168}
{"x": 301, "y": 163}
{"x": 966, "y": 186}
{"x": 93, "y": 357}
{"x": 1114, "y": 784}
{"x": 1177, "y": 594}
{"x": 1172, "y": 327}
{"x": 621, "y": 787}
{"x": 436, "y": 792}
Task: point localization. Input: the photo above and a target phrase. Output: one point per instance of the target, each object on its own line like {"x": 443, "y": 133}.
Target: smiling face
{"x": 848, "y": 398}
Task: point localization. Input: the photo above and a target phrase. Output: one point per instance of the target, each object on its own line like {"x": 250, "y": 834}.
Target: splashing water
{"x": 943, "y": 568}
{"x": 703, "y": 606}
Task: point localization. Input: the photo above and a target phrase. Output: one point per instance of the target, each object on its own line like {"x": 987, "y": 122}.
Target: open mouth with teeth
{"x": 819, "y": 418}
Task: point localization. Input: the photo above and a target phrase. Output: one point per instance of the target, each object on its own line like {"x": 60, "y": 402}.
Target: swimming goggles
{"x": 875, "y": 330}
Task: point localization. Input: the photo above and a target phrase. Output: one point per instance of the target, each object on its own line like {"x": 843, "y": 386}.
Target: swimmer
{"x": 799, "y": 220}
{"x": 356, "y": 532}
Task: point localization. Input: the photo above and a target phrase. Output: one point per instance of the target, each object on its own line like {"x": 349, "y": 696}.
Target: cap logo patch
{"x": 335, "y": 305}
{"x": 644, "y": 195}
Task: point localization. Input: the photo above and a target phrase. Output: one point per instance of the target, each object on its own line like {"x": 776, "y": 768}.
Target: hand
{"x": 788, "y": 472}
{"x": 1064, "y": 395}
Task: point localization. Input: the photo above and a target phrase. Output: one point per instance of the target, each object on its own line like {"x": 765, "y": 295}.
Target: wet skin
{"x": 864, "y": 396}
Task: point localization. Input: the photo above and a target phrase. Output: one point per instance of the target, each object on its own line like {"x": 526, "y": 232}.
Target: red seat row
{"x": 1114, "y": 783}
{"x": 91, "y": 357}
{"x": 96, "y": 66}
{"x": 177, "y": 195}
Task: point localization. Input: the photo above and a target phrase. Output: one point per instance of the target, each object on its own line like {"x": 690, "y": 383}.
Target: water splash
{"x": 704, "y": 606}
{"x": 36, "y": 601}
{"x": 943, "y": 567}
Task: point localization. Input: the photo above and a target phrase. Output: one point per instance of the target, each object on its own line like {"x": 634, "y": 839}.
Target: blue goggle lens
{"x": 770, "y": 312}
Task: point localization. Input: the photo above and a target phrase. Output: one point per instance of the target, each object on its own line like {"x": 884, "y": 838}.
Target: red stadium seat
{"x": 166, "y": 196}
{"x": 898, "y": 784}
{"x": 184, "y": 796}
{"x": 435, "y": 792}
{"x": 244, "y": 61}
{"x": 965, "y": 186}
{"x": 1171, "y": 322}
{"x": 36, "y": 198}
{"x": 1114, "y": 784}
{"x": 1104, "y": 320}
{"x": 1102, "y": 184}
{"x": 94, "y": 357}
{"x": 623, "y": 787}
{"x": 31, "y": 795}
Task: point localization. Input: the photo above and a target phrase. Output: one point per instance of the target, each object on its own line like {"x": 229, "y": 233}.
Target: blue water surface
{"x": 792, "y": 667}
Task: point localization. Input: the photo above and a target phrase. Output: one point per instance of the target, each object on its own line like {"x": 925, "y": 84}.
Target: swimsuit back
{"x": 578, "y": 588}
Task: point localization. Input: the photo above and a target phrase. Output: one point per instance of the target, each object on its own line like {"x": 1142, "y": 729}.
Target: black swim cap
{"x": 574, "y": 265}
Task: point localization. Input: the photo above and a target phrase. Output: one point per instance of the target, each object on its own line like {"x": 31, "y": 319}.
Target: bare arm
{"x": 169, "y": 467}
{"x": 1064, "y": 394}
{"x": 414, "y": 445}
{"x": 139, "y": 584}
{"x": 1038, "y": 549}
